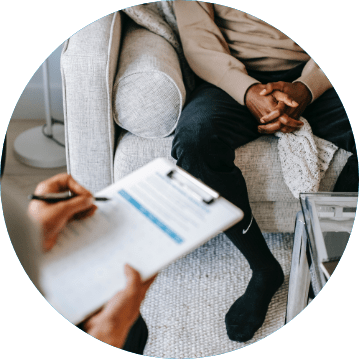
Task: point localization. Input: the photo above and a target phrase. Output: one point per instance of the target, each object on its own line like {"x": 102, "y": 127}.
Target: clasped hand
{"x": 278, "y": 105}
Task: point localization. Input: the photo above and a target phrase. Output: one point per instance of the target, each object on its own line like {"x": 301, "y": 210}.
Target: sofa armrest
{"x": 149, "y": 92}
{"x": 88, "y": 67}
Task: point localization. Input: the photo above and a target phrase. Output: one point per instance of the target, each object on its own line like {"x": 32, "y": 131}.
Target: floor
{"x": 22, "y": 178}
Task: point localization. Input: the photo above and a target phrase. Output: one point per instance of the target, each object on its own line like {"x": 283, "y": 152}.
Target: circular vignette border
{"x": 32, "y": 30}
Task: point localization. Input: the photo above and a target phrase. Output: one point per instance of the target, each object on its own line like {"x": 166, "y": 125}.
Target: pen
{"x": 58, "y": 197}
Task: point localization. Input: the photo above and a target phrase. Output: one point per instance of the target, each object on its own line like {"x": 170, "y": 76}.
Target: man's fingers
{"x": 281, "y": 96}
{"x": 285, "y": 124}
{"x": 272, "y": 86}
{"x": 270, "y": 128}
{"x": 85, "y": 214}
{"x": 60, "y": 183}
{"x": 69, "y": 208}
{"x": 271, "y": 116}
{"x": 267, "y": 90}
{"x": 76, "y": 188}
{"x": 277, "y": 91}
{"x": 278, "y": 111}
{"x": 51, "y": 185}
{"x": 289, "y": 121}
{"x": 286, "y": 129}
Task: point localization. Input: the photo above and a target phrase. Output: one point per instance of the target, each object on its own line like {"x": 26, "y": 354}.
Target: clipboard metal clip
{"x": 193, "y": 186}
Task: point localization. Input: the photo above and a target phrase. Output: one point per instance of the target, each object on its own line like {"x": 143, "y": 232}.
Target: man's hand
{"x": 271, "y": 108}
{"x": 286, "y": 115}
{"x": 53, "y": 217}
{"x": 114, "y": 321}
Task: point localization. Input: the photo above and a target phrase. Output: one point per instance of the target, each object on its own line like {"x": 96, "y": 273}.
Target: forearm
{"x": 315, "y": 80}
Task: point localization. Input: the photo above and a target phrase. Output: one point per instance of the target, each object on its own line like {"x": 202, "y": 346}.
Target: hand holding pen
{"x": 53, "y": 214}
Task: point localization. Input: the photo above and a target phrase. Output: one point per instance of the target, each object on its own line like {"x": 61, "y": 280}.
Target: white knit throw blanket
{"x": 304, "y": 157}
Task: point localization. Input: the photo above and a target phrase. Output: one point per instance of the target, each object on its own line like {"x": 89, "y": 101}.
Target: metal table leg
{"x": 299, "y": 278}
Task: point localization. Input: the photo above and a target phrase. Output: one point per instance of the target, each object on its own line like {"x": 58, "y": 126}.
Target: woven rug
{"x": 185, "y": 307}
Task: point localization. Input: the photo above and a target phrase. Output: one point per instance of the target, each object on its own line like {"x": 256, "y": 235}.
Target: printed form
{"x": 151, "y": 220}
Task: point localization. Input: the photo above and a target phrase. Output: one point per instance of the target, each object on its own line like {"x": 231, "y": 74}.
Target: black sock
{"x": 248, "y": 312}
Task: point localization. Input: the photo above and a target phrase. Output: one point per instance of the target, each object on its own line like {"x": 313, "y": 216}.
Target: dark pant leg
{"x": 211, "y": 127}
{"x": 137, "y": 337}
{"x": 329, "y": 121}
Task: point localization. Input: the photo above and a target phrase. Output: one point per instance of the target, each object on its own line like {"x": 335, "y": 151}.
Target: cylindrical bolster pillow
{"x": 149, "y": 92}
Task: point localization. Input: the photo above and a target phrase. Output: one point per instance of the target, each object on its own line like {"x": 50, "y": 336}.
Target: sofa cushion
{"x": 260, "y": 164}
{"x": 148, "y": 92}
{"x": 272, "y": 203}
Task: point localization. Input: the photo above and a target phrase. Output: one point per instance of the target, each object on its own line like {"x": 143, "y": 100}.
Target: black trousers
{"x": 212, "y": 125}
{"x": 137, "y": 337}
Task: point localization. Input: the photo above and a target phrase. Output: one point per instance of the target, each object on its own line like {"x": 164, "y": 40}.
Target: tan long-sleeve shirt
{"x": 221, "y": 43}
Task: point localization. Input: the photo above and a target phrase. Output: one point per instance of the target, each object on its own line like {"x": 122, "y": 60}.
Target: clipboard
{"x": 156, "y": 215}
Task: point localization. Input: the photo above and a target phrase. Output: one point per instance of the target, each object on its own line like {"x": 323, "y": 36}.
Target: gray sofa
{"x": 99, "y": 151}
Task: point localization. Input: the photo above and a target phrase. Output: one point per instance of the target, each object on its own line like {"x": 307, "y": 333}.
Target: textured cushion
{"x": 272, "y": 203}
{"x": 149, "y": 92}
{"x": 260, "y": 164}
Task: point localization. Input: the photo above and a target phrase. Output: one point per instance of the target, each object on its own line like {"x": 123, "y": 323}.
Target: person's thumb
{"x": 132, "y": 276}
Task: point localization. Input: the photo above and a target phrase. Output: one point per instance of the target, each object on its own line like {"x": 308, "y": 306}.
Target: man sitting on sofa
{"x": 250, "y": 73}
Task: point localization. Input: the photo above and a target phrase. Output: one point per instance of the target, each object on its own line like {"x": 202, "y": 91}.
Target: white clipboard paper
{"x": 156, "y": 215}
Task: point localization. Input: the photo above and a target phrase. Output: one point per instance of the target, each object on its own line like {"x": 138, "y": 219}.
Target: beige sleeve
{"x": 314, "y": 78}
{"x": 207, "y": 51}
